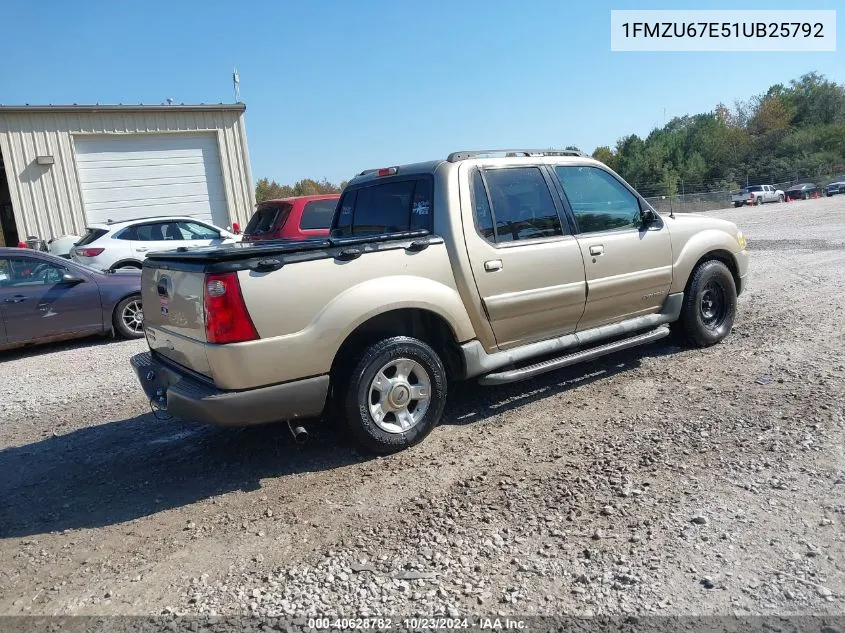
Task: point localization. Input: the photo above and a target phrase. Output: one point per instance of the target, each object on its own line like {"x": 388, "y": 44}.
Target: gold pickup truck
{"x": 496, "y": 266}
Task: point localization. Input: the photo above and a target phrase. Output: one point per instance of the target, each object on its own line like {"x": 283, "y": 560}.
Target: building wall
{"x": 47, "y": 200}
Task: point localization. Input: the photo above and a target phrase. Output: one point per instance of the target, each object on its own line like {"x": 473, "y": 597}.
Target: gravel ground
{"x": 659, "y": 480}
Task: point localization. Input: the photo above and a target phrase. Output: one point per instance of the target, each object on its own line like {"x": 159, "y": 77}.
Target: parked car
{"x": 757, "y": 194}
{"x": 46, "y": 298}
{"x": 473, "y": 267}
{"x": 117, "y": 245}
{"x": 802, "y": 191}
{"x": 297, "y": 218}
{"x": 60, "y": 246}
{"x": 835, "y": 187}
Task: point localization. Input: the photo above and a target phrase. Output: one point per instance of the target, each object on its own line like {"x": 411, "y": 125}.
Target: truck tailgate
{"x": 173, "y": 316}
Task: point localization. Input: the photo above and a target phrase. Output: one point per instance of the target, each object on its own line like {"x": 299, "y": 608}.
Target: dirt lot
{"x": 661, "y": 480}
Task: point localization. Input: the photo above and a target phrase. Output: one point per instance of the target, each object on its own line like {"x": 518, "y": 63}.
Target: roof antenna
{"x": 236, "y": 82}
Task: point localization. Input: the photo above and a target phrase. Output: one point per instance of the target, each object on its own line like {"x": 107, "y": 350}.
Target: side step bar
{"x": 524, "y": 373}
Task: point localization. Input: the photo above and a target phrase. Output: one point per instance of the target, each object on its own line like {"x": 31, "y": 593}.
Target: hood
{"x": 698, "y": 222}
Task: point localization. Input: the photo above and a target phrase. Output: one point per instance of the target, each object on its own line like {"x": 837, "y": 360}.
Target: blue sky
{"x": 336, "y": 87}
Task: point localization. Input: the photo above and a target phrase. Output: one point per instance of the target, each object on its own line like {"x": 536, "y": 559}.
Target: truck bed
{"x": 246, "y": 255}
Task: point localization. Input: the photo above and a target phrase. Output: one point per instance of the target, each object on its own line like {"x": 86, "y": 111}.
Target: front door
{"x": 527, "y": 265}
{"x": 37, "y": 303}
{"x": 628, "y": 265}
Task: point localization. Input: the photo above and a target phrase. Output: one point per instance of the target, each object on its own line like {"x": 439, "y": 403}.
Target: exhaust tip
{"x": 300, "y": 434}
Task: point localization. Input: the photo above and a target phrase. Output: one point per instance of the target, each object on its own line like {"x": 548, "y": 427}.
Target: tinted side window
{"x": 385, "y": 208}
{"x": 129, "y": 233}
{"x": 598, "y": 200}
{"x": 481, "y": 208}
{"x": 148, "y": 233}
{"x": 318, "y": 214}
{"x": 523, "y": 207}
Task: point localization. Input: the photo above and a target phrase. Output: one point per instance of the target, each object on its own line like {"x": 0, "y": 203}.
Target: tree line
{"x": 791, "y": 132}
{"x": 266, "y": 189}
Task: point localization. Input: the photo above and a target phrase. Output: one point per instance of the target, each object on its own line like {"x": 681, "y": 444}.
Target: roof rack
{"x": 148, "y": 217}
{"x": 454, "y": 157}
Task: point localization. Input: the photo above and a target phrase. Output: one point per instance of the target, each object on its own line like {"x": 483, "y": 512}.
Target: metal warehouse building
{"x": 63, "y": 167}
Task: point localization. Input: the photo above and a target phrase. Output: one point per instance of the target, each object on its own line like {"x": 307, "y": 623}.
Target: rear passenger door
{"x": 628, "y": 265}
{"x": 156, "y": 236}
{"x": 526, "y": 263}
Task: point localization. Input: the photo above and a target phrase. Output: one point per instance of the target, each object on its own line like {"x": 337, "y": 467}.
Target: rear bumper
{"x": 184, "y": 396}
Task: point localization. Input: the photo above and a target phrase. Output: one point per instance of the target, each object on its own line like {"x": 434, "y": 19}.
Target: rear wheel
{"x": 132, "y": 265}
{"x": 128, "y": 318}
{"x": 395, "y": 395}
{"x": 737, "y": 204}
{"x": 709, "y": 304}
{"x": 780, "y": 197}
{"x": 758, "y": 200}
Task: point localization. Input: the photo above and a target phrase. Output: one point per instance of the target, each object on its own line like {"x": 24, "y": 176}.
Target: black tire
{"x": 709, "y": 306}
{"x": 738, "y": 204}
{"x": 758, "y": 200}
{"x": 120, "y": 318}
{"x": 805, "y": 196}
{"x": 780, "y": 198}
{"x": 358, "y": 391}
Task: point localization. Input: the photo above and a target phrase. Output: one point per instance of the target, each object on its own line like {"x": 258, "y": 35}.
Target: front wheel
{"x": 395, "y": 395}
{"x": 129, "y": 318}
{"x": 709, "y": 304}
{"x": 737, "y": 205}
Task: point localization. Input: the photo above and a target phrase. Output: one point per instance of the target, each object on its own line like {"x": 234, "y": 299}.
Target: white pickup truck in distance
{"x": 496, "y": 266}
{"x": 757, "y": 194}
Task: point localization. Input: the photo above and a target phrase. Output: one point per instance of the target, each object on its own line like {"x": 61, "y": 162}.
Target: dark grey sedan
{"x": 46, "y": 298}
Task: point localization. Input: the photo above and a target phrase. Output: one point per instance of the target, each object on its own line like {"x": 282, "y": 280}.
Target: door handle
{"x": 15, "y": 299}
{"x": 142, "y": 249}
{"x": 597, "y": 249}
{"x": 493, "y": 265}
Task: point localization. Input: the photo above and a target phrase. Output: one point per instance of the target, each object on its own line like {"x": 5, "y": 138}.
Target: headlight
{"x": 741, "y": 239}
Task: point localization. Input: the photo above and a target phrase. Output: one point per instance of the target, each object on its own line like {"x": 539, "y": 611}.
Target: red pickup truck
{"x": 298, "y": 218}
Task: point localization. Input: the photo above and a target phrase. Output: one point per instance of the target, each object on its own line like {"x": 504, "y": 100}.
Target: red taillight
{"x": 226, "y": 317}
{"x": 89, "y": 252}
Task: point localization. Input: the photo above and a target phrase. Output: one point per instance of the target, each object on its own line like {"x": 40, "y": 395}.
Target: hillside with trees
{"x": 791, "y": 132}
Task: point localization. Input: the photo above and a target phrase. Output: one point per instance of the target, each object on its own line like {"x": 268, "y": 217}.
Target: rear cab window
{"x": 390, "y": 206}
{"x": 318, "y": 214}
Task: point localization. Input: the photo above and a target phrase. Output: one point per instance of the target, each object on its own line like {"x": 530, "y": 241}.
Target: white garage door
{"x": 138, "y": 176}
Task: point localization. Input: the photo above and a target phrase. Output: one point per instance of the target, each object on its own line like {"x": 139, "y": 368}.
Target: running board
{"x": 524, "y": 373}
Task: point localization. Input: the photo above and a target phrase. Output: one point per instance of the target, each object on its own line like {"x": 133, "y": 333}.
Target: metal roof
{"x": 141, "y": 107}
